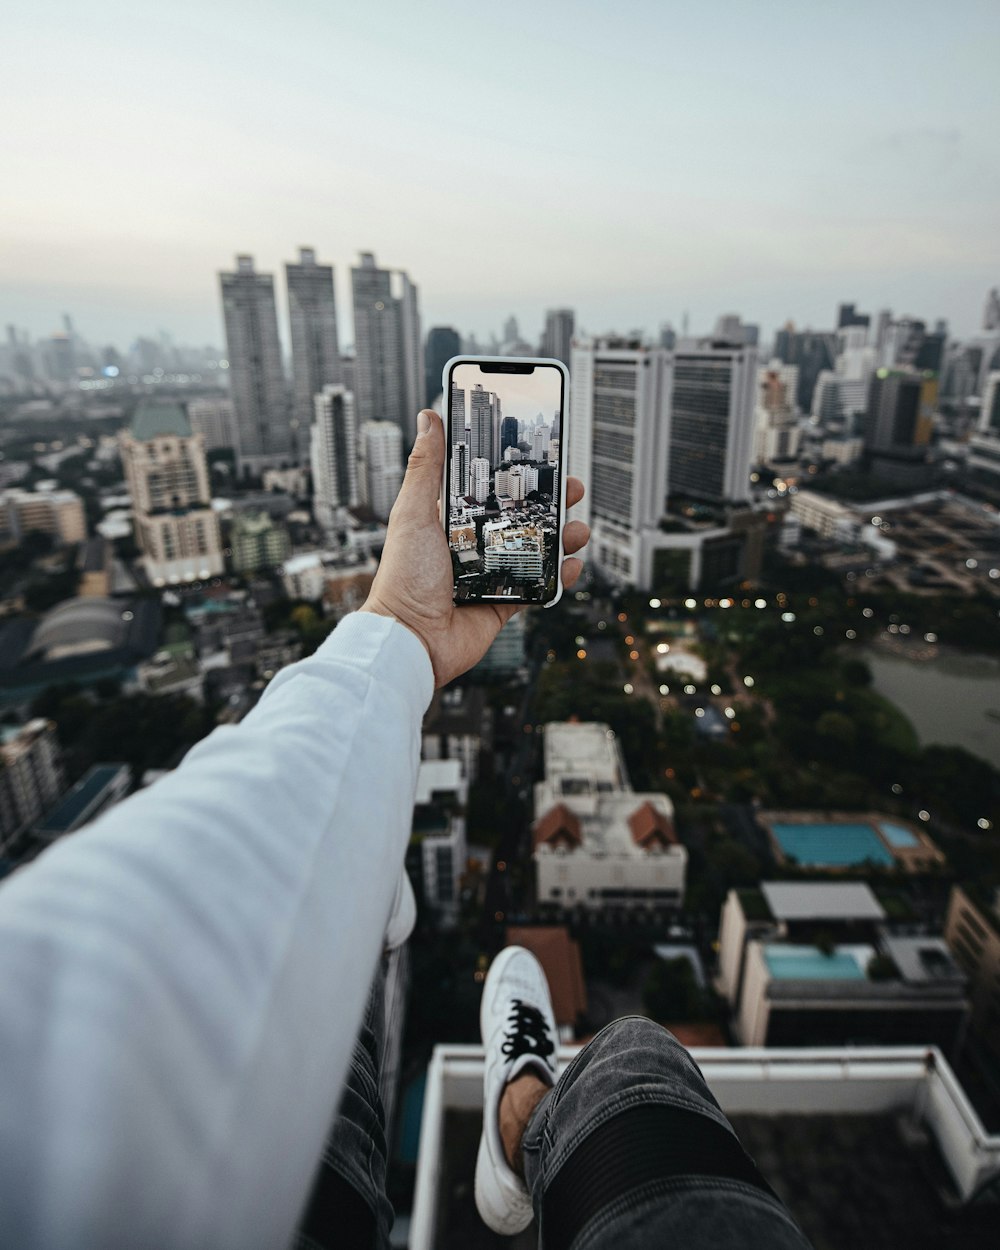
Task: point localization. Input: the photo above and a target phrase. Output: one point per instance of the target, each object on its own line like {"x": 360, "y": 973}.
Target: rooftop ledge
{"x": 913, "y": 1082}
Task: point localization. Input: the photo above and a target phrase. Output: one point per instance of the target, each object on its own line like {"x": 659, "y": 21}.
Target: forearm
{"x": 180, "y": 985}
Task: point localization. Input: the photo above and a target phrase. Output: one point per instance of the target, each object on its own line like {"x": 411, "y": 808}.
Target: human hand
{"x": 414, "y": 579}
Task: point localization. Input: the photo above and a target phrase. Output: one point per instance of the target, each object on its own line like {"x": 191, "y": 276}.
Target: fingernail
{"x": 423, "y": 422}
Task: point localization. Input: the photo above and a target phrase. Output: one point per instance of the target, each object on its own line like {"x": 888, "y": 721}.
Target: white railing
{"x": 753, "y": 1081}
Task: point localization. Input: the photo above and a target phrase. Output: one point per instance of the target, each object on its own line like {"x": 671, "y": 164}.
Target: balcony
{"x": 875, "y": 1147}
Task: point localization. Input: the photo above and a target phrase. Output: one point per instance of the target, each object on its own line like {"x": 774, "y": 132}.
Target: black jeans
{"x": 630, "y": 1150}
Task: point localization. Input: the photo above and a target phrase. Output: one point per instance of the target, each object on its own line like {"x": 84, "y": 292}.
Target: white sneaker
{"x": 519, "y": 1032}
{"x": 403, "y": 916}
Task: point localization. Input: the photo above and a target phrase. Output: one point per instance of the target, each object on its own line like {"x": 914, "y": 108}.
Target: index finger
{"x": 574, "y": 491}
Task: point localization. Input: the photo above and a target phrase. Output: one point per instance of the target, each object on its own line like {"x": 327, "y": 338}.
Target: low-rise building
{"x": 825, "y": 516}
{"x": 597, "y": 843}
{"x": 456, "y": 725}
{"x": 56, "y": 512}
{"x": 31, "y": 777}
{"x": 436, "y": 858}
{"x": 972, "y": 931}
{"x": 257, "y": 542}
{"x": 813, "y": 964}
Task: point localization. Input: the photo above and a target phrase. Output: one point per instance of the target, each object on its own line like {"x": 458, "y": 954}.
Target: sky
{"x": 637, "y": 161}
{"x": 523, "y": 397}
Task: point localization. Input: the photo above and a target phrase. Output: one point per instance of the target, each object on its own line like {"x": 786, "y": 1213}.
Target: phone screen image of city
{"x": 504, "y": 483}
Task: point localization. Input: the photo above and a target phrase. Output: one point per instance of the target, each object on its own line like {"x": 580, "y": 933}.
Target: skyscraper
{"x": 175, "y": 526}
{"x": 847, "y": 315}
{"x": 213, "y": 420}
{"x": 508, "y": 433}
{"x": 557, "y": 338}
{"x": 442, "y": 343}
{"x": 481, "y": 424}
{"x": 540, "y": 442}
{"x": 257, "y": 384}
{"x": 989, "y": 413}
{"x": 389, "y": 364}
{"x": 621, "y": 420}
{"x": 333, "y": 454}
{"x": 312, "y": 315}
{"x": 899, "y": 420}
{"x": 479, "y": 479}
{"x": 459, "y": 468}
{"x": 711, "y": 423}
{"x": 382, "y": 465}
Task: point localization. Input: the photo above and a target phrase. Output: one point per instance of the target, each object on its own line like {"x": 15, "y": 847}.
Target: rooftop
{"x": 586, "y": 751}
{"x": 77, "y": 806}
{"x": 439, "y": 777}
{"x": 809, "y": 900}
{"x": 871, "y": 1147}
{"x": 154, "y": 419}
{"x": 559, "y": 956}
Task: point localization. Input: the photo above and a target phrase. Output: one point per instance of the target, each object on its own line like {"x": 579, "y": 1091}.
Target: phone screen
{"x": 504, "y": 479}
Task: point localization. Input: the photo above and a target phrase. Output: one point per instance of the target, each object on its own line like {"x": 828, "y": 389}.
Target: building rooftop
{"x": 923, "y": 960}
{"x": 560, "y": 958}
{"x": 153, "y": 419}
{"x": 588, "y": 752}
{"x": 819, "y": 900}
{"x": 76, "y": 807}
{"x": 438, "y": 777}
{"x": 876, "y": 1147}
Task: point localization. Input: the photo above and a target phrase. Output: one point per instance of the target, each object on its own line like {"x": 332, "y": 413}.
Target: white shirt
{"x": 181, "y": 982}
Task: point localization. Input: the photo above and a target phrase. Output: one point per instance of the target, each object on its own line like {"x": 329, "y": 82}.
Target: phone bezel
{"x": 512, "y": 364}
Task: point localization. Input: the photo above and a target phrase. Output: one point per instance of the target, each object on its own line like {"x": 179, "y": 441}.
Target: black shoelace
{"x": 527, "y": 1032}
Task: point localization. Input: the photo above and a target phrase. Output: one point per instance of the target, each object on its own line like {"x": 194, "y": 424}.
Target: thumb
{"x": 422, "y": 483}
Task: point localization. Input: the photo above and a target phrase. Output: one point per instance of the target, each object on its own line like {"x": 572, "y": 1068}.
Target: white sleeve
{"x": 181, "y": 982}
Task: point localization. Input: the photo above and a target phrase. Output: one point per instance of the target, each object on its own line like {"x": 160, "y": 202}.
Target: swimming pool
{"x": 898, "y": 835}
{"x": 832, "y": 846}
{"x": 808, "y": 963}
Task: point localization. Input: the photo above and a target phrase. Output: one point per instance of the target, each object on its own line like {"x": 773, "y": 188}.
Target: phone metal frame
{"x": 563, "y": 462}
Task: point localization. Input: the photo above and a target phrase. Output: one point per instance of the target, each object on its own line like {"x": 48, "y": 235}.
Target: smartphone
{"x": 503, "y": 498}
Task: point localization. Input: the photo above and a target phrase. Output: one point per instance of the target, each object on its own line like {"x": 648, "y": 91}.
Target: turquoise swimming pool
{"x": 808, "y": 963}
{"x": 898, "y": 835}
{"x": 832, "y": 846}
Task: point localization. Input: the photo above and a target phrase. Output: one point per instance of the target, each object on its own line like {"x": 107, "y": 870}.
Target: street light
{"x": 628, "y": 687}
{"x": 748, "y": 682}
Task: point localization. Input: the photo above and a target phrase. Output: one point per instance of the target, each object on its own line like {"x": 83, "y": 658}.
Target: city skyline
{"x": 781, "y": 201}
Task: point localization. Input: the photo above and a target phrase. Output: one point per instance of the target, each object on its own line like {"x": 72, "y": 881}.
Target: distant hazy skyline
{"x": 632, "y": 163}
{"x": 522, "y": 396}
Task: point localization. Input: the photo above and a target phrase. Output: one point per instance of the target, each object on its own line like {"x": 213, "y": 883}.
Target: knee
{"x": 638, "y": 1032}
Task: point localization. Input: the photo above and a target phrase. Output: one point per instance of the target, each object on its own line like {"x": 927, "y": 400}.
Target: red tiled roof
{"x": 559, "y": 956}
{"x": 558, "y": 824}
{"x": 650, "y": 827}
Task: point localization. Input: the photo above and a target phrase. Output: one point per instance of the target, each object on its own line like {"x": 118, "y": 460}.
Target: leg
{"x": 631, "y": 1149}
{"x": 348, "y": 1208}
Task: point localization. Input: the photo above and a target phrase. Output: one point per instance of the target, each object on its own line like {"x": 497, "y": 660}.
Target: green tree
{"x": 671, "y": 993}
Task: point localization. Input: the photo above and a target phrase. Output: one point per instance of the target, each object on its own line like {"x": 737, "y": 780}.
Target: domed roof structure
{"x": 80, "y": 626}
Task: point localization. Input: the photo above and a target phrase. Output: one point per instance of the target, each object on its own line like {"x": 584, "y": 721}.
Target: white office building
{"x": 597, "y": 843}
{"x": 621, "y": 421}
{"x": 513, "y": 549}
{"x": 479, "y": 479}
{"x": 381, "y": 468}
